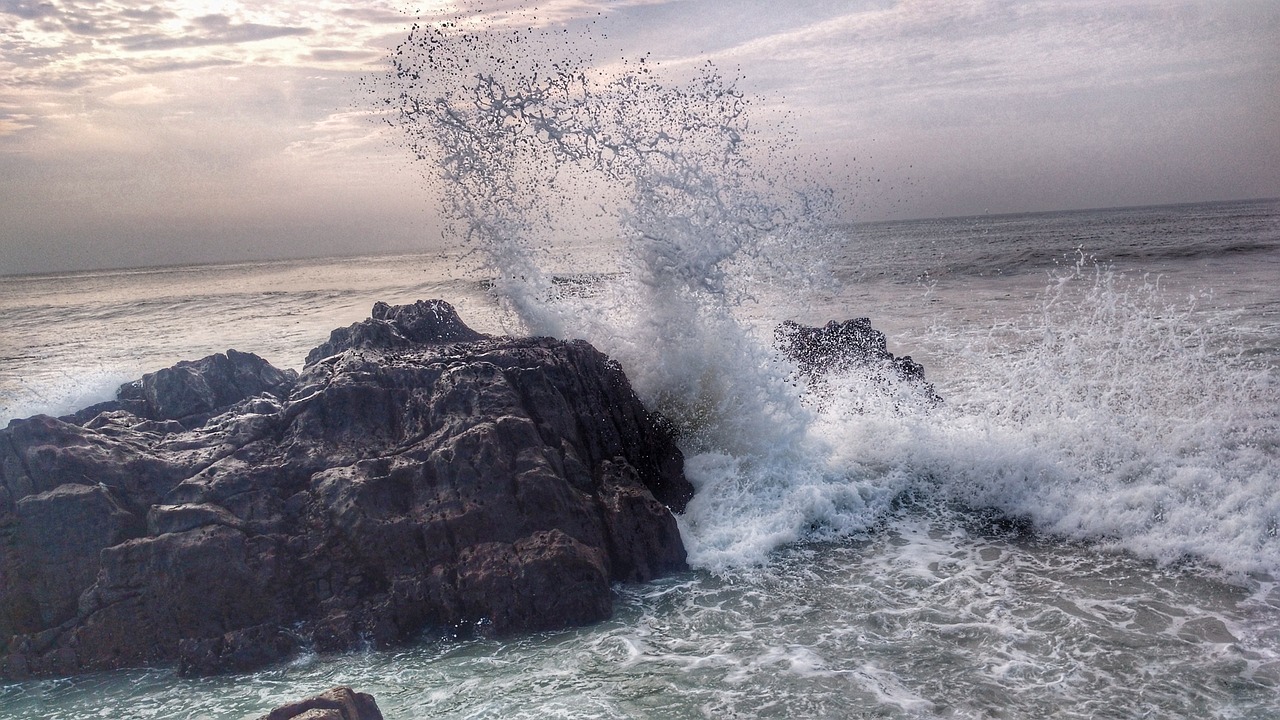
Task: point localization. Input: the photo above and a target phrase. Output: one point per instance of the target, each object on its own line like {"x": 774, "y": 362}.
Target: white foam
{"x": 60, "y": 392}
{"x": 1109, "y": 415}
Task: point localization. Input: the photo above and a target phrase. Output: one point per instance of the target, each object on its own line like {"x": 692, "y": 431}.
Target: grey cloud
{"x": 27, "y": 10}
{"x": 217, "y": 34}
{"x": 374, "y": 16}
{"x": 85, "y": 27}
{"x": 84, "y": 19}
{"x": 151, "y": 14}
{"x": 213, "y": 22}
{"x": 336, "y": 55}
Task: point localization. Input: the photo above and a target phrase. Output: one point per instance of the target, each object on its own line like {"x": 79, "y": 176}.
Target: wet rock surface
{"x": 223, "y": 513}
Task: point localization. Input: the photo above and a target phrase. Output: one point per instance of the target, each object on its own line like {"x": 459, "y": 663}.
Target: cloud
{"x": 12, "y": 124}
{"x": 114, "y": 107}
{"x": 210, "y": 30}
{"x": 375, "y": 16}
{"x": 148, "y": 15}
{"x": 912, "y": 53}
{"x": 91, "y": 19}
{"x": 168, "y": 65}
{"x": 340, "y": 134}
{"x": 27, "y": 10}
{"x": 326, "y": 55}
{"x": 144, "y": 95}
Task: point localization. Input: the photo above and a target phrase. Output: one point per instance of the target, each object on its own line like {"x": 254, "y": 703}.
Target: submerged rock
{"x": 340, "y": 703}
{"x": 221, "y": 513}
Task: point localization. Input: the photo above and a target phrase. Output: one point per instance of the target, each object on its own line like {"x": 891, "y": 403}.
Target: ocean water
{"x": 1087, "y": 527}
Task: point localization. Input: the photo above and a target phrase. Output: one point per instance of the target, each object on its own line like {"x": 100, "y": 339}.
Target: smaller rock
{"x": 340, "y": 703}
{"x": 194, "y": 390}
{"x": 844, "y": 346}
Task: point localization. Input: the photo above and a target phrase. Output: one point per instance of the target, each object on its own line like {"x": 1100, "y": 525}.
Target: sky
{"x": 173, "y": 132}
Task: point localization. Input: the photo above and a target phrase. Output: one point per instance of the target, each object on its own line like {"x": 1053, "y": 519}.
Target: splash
{"x": 1124, "y": 415}
{"x": 1108, "y": 414}
{"x": 535, "y": 142}
{"x": 1116, "y": 413}
{"x": 538, "y": 141}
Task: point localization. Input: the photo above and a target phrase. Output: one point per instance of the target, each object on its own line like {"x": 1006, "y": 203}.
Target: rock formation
{"x": 220, "y": 513}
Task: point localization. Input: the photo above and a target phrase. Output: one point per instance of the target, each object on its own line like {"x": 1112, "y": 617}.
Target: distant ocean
{"x": 1087, "y": 527}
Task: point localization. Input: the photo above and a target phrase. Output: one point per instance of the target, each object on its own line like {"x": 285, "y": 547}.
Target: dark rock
{"x": 416, "y": 475}
{"x": 154, "y": 593}
{"x": 58, "y": 538}
{"x": 853, "y": 345}
{"x": 41, "y": 453}
{"x": 164, "y": 519}
{"x": 241, "y": 650}
{"x": 340, "y": 703}
{"x": 395, "y": 327}
{"x": 192, "y": 391}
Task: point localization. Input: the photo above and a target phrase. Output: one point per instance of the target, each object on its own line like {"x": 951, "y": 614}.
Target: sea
{"x": 1088, "y": 525}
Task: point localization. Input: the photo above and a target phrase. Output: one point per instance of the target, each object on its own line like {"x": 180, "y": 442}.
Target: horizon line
{"x": 176, "y": 267}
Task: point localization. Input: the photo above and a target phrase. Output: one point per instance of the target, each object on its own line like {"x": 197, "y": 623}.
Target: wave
{"x": 1113, "y": 415}
{"x": 1105, "y": 416}
{"x": 1202, "y": 250}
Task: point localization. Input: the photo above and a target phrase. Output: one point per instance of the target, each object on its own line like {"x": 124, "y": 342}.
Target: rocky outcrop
{"x": 190, "y": 392}
{"x": 221, "y": 513}
{"x": 398, "y": 327}
{"x": 340, "y": 703}
{"x": 850, "y": 346}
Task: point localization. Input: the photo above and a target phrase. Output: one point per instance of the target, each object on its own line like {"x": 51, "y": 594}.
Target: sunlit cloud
{"x": 14, "y": 123}
{"x": 143, "y": 95}
{"x": 339, "y": 134}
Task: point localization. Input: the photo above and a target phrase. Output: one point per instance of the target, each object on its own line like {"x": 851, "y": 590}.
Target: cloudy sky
{"x": 174, "y": 131}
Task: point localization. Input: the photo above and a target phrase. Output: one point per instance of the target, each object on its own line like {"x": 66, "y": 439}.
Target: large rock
{"x": 222, "y": 513}
{"x": 58, "y": 537}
